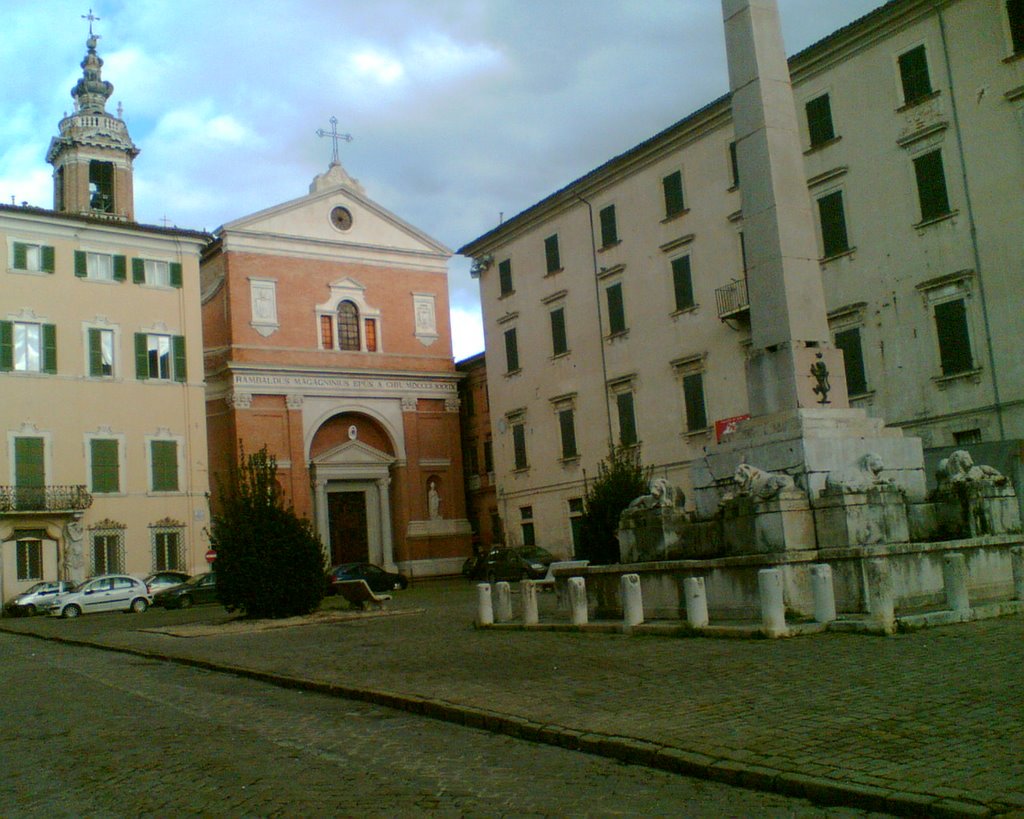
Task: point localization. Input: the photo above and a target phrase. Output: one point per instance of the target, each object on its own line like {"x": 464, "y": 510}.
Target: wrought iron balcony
{"x": 44, "y": 499}
{"x": 732, "y": 300}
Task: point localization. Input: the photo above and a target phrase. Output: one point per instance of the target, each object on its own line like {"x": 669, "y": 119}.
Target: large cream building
{"x": 103, "y": 455}
{"x": 615, "y": 310}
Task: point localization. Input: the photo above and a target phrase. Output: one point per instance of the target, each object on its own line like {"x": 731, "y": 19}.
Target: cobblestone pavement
{"x": 88, "y": 733}
{"x": 931, "y": 721}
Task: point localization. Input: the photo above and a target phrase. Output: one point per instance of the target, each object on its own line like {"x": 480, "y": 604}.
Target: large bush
{"x": 620, "y": 479}
{"x": 269, "y": 562}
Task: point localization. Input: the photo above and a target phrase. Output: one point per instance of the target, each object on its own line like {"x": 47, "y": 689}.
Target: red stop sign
{"x": 211, "y": 556}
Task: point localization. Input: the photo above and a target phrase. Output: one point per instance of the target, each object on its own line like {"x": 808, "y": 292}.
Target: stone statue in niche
{"x": 865, "y": 475}
{"x": 960, "y": 468}
{"x": 434, "y": 501}
{"x": 757, "y": 483}
{"x": 661, "y": 495}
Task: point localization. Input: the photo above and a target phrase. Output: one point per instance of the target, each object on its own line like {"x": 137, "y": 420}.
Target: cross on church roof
{"x": 91, "y": 17}
{"x": 335, "y": 136}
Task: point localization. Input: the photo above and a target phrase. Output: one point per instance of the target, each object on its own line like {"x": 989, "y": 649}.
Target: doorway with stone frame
{"x": 348, "y": 535}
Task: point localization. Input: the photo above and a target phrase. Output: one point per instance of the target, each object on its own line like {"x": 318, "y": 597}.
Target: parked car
{"x": 109, "y": 592}
{"x": 376, "y": 578}
{"x": 514, "y": 564}
{"x": 37, "y": 598}
{"x": 164, "y": 580}
{"x": 199, "y": 589}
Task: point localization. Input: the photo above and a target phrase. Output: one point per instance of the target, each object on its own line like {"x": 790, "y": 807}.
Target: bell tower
{"x": 92, "y": 157}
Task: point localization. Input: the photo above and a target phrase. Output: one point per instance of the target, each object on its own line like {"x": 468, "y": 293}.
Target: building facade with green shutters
{"x": 103, "y": 450}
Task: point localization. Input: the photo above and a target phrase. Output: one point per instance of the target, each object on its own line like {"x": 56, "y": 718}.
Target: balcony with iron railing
{"x": 59, "y": 499}
{"x": 732, "y": 300}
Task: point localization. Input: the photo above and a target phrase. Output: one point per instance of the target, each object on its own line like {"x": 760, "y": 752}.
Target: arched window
{"x": 348, "y": 326}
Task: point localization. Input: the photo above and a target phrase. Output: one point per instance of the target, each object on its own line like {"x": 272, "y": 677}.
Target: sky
{"x": 462, "y": 112}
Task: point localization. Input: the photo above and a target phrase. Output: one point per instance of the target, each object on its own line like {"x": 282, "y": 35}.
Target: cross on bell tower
{"x": 334, "y": 136}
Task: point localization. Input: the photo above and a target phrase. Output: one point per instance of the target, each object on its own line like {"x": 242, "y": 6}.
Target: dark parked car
{"x": 199, "y": 589}
{"x": 514, "y": 564}
{"x": 376, "y": 578}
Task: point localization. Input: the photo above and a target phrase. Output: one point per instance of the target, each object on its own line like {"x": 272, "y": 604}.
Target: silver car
{"x": 110, "y": 592}
{"x": 38, "y": 597}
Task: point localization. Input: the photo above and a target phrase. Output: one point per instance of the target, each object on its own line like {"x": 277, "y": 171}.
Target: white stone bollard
{"x": 773, "y": 607}
{"x": 632, "y": 600}
{"x": 696, "y": 602}
{"x": 484, "y": 608}
{"x": 1017, "y": 560}
{"x": 880, "y": 594}
{"x": 528, "y": 593}
{"x": 502, "y": 602}
{"x": 824, "y": 593}
{"x": 954, "y": 577}
{"x": 578, "y": 601}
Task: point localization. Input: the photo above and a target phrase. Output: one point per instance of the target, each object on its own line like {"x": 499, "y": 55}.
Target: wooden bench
{"x": 358, "y": 593}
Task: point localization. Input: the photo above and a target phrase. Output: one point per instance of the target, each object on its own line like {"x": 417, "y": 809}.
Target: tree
{"x": 620, "y": 479}
{"x": 269, "y": 561}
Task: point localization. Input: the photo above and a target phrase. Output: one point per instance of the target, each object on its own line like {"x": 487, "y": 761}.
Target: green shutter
{"x": 673, "y": 187}
{"x": 954, "y": 337}
{"x": 175, "y": 274}
{"x": 819, "y": 120}
{"x": 693, "y": 395}
{"x": 105, "y": 467}
{"x": 559, "y": 342}
{"x": 616, "y": 310}
{"x": 519, "y": 445}
{"x": 49, "y": 348}
{"x": 551, "y": 254}
{"x": 6, "y": 346}
{"x": 505, "y": 276}
{"x": 834, "y": 238}
{"x": 164, "y": 456}
{"x": 120, "y": 268}
{"x": 141, "y": 357}
{"x": 682, "y": 282}
{"x": 609, "y": 228}
{"x": 853, "y": 360}
{"x": 49, "y": 260}
{"x": 511, "y": 351}
{"x": 914, "y": 75}
{"x": 20, "y": 256}
{"x": 95, "y": 352}
{"x": 627, "y": 420}
{"x": 29, "y": 470}
{"x": 178, "y": 345}
{"x": 931, "y": 186}
{"x": 567, "y": 426}
{"x": 81, "y": 265}
{"x": 139, "y": 271}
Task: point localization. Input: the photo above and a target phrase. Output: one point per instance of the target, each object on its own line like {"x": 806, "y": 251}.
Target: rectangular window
{"x": 105, "y": 465}
{"x": 159, "y": 357}
{"x": 472, "y": 458}
{"x": 164, "y": 463}
{"x": 616, "y": 310}
{"x": 931, "y": 185}
{"x": 559, "y": 342}
{"x": 101, "y": 186}
{"x": 488, "y": 456}
{"x": 819, "y": 120}
{"x": 326, "y": 332}
{"x": 609, "y": 228}
{"x": 914, "y": 75}
{"x": 156, "y": 273}
{"x": 853, "y": 360}
{"x": 576, "y": 522}
{"x": 100, "y": 266}
{"x": 101, "y": 353}
{"x": 693, "y": 397}
{"x": 551, "y": 254}
{"x": 28, "y": 347}
{"x": 519, "y": 444}
{"x": 107, "y": 552}
{"x": 30, "y": 472}
{"x": 1015, "y": 17}
{"x": 371, "y": 335}
{"x": 567, "y": 428}
{"x": 37, "y": 258}
{"x": 672, "y": 185}
{"x": 967, "y": 436}
{"x": 30, "y": 559}
{"x": 167, "y": 551}
{"x": 743, "y": 253}
{"x": 954, "y": 337}
{"x": 505, "y": 276}
{"x": 627, "y": 420}
{"x": 511, "y": 351}
{"x": 682, "y": 282}
{"x": 834, "y": 239}
{"x": 734, "y": 165}
{"x": 526, "y": 517}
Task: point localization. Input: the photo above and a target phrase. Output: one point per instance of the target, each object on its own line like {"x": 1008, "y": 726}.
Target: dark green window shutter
{"x": 141, "y": 356}
{"x": 693, "y": 395}
{"x": 673, "y": 187}
{"x": 914, "y": 75}
{"x": 95, "y": 352}
{"x": 29, "y": 466}
{"x": 139, "y": 271}
{"x": 105, "y": 466}
{"x": 853, "y": 360}
{"x": 609, "y": 227}
{"x": 931, "y": 186}
{"x": 505, "y": 276}
{"x": 49, "y": 348}
{"x": 559, "y": 343}
{"x": 511, "y": 351}
{"x": 954, "y": 337}
{"x": 49, "y": 259}
{"x": 567, "y": 426}
{"x": 121, "y": 269}
{"x": 6, "y": 346}
{"x": 81, "y": 265}
{"x": 519, "y": 445}
{"x": 20, "y": 256}
{"x": 175, "y": 274}
{"x": 178, "y": 345}
{"x": 616, "y": 310}
{"x": 1015, "y": 14}
{"x": 682, "y": 282}
{"x": 734, "y": 165}
{"x": 627, "y": 420}
{"x": 834, "y": 239}
{"x": 819, "y": 120}
{"x": 551, "y": 254}
{"x": 164, "y": 455}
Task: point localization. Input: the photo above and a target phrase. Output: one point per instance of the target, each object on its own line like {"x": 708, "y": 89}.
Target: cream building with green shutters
{"x": 103, "y": 455}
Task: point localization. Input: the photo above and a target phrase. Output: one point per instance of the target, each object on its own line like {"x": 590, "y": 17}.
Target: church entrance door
{"x": 347, "y": 515}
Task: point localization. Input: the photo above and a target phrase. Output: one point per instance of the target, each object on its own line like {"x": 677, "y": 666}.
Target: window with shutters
{"x": 832, "y": 216}
{"x": 609, "y": 227}
{"x": 519, "y": 443}
{"x": 526, "y": 524}
{"x": 28, "y": 347}
{"x": 168, "y": 547}
{"x": 627, "y": 418}
{"x": 107, "y": 543}
{"x": 734, "y": 165}
{"x": 30, "y": 558}
{"x": 511, "y": 351}
{"x": 672, "y": 188}
{"x": 682, "y": 283}
{"x": 100, "y": 343}
{"x": 819, "y": 121}
{"x": 1015, "y": 20}
{"x": 576, "y": 523}
{"x": 160, "y": 357}
{"x": 163, "y": 460}
{"x": 32, "y": 257}
{"x": 690, "y": 372}
{"x": 931, "y": 186}
{"x": 156, "y": 273}
{"x": 370, "y": 333}
{"x": 552, "y": 258}
{"x": 616, "y": 309}
{"x": 102, "y": 267}
{"x": 565, "y": 413}
{"x": 30, "y": 472}
{"x": 505, "y": 277}
{"x": 954, "y": 337}
{"x": 104, "y": 465}
{"x": 915, "y": 81}
{"x": 559, "y": 340}
{"x": 849, "y": 341}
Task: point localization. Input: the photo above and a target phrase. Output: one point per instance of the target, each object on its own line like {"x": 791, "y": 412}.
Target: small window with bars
{"x": 168, "y": 548}
{"x": 107, "y": 551}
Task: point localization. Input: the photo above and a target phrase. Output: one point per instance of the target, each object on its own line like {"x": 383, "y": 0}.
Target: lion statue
{"x": 661, "y": 494}
{"x": 959, "y": 467}
{"x": 864, "y": 475}
{"x": 757, "y": 483}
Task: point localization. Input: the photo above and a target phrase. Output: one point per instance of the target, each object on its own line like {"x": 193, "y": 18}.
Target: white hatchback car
{"x": 110, "y": 592}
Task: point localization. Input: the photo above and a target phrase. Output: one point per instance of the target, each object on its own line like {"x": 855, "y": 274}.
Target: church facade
{"x": 327, "y": 340}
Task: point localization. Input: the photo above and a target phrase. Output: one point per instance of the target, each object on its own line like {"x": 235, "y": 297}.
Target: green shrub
{"x": 269, "y": 561}
{"x": 620, "y": 479}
